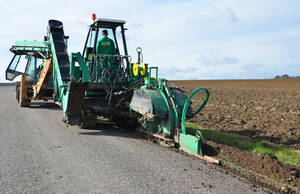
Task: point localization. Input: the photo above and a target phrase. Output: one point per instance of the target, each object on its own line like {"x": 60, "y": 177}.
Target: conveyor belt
{"x": 57, "y": 32}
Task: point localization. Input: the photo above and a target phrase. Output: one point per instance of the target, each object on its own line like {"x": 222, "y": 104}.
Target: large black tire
{"x": 25, "y": 103}
{"x": 18, "y": 93}
{"x": 88, "y": 121}
{"x": 22, "y": 102}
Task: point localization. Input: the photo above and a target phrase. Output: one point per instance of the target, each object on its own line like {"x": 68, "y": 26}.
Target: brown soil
{"x": 266, "y": 109}
{"x": 263, "y": 109}
{"x": 284, "y": 178}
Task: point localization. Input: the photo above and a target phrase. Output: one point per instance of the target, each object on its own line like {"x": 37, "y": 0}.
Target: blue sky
{"x": 186, "y": 39}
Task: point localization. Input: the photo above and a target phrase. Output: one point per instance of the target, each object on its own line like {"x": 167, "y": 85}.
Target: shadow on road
{"x": 110, "y": 129}
{"x": 113, "y": 132}
{"x": 44, "y": 105}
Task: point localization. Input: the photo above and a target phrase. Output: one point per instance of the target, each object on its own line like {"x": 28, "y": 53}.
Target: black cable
{"x": 142, "y": 57}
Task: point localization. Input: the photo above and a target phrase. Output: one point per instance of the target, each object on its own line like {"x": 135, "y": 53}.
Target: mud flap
{"x": 149, "y": 102}
{"x": 141, "y": 102}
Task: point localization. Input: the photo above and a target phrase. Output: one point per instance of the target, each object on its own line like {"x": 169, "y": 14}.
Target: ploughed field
{"x": 266, "y": 109}
{"x": 260, "y": 109}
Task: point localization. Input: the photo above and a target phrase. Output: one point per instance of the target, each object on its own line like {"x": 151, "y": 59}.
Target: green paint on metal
{"x": 76, "y": 71}
{"x": 190, "y": 144}
{"x": 37, "y": 44}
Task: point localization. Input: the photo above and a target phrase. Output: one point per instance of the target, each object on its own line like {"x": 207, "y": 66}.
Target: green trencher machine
{"x": 91, "y": 85}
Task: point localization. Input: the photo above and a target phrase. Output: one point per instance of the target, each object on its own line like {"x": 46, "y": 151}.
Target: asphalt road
{"x": 41, "y": 154}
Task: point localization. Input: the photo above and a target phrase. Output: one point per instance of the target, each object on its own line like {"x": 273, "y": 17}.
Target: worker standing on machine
{"x": 106, "y": 46}
{"x": 106, "y": 49}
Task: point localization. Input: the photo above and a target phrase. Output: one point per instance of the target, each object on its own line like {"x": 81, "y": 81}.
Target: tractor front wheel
{"x": 18, "y": 93}
{"x": 88, "y": 121}
{"x": 20, "y": 97}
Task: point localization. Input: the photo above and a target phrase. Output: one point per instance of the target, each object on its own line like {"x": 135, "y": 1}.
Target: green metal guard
{"x": 156, "y": 71}
{"x": 198, "y": 109}
{"x": 190, "y": 143}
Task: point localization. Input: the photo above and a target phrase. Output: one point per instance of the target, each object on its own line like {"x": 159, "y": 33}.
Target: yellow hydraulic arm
{"x": 43, "y": 78}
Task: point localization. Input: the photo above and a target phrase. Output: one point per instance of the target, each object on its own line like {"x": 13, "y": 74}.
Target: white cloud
{"x": 201, "y": 38}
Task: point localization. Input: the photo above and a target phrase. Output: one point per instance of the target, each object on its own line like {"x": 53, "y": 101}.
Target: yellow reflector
{"x": 135, "y": 69}
{"x": 143, "y": 70}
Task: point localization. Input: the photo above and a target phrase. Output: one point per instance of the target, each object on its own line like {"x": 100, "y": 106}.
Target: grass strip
{"x": 283, "y": 154}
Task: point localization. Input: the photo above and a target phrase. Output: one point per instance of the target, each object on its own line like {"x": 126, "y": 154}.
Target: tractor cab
{"x": 26, "y": 60}
{"x": 107, "y": 57}
{"x": 30, "y": 60}
{"x": 22, "y": 65}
